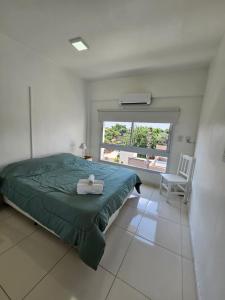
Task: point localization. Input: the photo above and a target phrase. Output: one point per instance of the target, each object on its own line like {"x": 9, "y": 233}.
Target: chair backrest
{"x": 186, "y": 166}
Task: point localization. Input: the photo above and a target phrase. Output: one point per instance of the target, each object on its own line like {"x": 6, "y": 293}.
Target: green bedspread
{"x": 45, "y": 188}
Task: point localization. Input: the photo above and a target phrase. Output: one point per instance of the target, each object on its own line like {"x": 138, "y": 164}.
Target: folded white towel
{"x": 84, "y": 187}
{"x": 91, "y": 179}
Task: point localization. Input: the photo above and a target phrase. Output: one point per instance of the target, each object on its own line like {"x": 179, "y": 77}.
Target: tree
{"x": 163, "y": 137}
{"x": 142, "y": 136}
{"x": 148, "y": 137}
{"x": 139, "y": 137}
{"x": 117, "y": 134}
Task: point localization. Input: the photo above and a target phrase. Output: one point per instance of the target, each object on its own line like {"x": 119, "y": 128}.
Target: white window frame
{"x": 138, "y": 150}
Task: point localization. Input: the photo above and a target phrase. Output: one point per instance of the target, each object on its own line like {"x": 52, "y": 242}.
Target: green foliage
{"x": 117, "y": 158}
{"x": 117, "y": 134}
{"x": 142, "y": 136}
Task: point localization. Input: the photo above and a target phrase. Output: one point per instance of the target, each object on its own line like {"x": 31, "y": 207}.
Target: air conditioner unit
{"x": 135, "y": 99}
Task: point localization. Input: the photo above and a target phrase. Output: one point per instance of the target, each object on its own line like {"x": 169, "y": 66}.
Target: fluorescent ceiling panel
{"x": 79, "y": 44}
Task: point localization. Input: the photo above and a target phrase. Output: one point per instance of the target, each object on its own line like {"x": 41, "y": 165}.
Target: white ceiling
{"x": 125, "y": 36}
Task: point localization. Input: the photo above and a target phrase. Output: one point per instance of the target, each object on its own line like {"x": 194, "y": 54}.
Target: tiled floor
{"x": 147, "y": 256}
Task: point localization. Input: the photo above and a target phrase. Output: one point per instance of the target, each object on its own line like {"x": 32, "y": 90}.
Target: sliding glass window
{"x": 136, "y": 144}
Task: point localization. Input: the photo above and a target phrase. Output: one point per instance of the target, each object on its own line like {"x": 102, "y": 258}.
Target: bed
{"x": 44, "y": 189}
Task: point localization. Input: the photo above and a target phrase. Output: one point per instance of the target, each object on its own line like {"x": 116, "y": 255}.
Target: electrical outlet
{"x": 188, "y": 139}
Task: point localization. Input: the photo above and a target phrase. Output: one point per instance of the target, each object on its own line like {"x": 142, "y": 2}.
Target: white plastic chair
{"x": 180, "y": 183}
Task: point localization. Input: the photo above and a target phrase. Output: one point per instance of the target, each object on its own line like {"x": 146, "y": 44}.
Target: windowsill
{"x": 131, "y": 167}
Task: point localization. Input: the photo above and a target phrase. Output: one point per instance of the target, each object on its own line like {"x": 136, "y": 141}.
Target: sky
{"x": 128, "y": 124}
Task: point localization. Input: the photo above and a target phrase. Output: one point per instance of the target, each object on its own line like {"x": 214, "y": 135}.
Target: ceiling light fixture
{"x": 79, "y": 44}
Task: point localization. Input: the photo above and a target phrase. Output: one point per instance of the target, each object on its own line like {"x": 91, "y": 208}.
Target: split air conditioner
{"x": 135, "y": 99}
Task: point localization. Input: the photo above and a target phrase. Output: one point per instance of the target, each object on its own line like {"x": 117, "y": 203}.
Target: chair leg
{"x": 160, "y": 189}
{"x": 185, "y": 198}
{"x": 186, "y": 194}
{"x": 168, "y": 193}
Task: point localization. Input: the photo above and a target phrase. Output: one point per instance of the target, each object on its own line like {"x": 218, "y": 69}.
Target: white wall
{"x": 208, "y": 196}
{"x": 58, "y": 104}
{"x": 182, "y": 89}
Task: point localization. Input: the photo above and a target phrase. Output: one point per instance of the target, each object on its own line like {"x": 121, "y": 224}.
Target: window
{"x": 137, "y": 144}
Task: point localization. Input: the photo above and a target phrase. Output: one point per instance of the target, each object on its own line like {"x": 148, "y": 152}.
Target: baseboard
{"x": 194, "y": 263}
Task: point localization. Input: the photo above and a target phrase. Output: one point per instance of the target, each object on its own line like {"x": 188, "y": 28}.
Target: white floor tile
{"x": 162, "y": 232}
{"x": 156, "y": 196}
{"x": 129, "y": 218}
{"x": 146, "y": 264}
{"x": 147, "y": 191}
{"x": 71, "y": 279}
{"x": 13, "y": 229}
{"x": 184, "y": 215}
{"x": 175, "y": 201}
{"x": 3, "y": 296}
{"x": 5, "y": 212}
{"x": 169, "y": 211}
{"x": 137, "y": 202}
{"x": 122, "y": 291}
{"x": 152, "y": 270}
{"x": 24, "y": 265}
{"x": 189, "y": 286}
{"x": 117, "y": 242}
{"x": 186, "y": 243}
